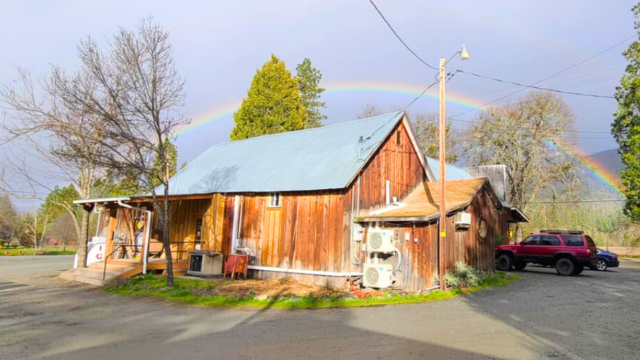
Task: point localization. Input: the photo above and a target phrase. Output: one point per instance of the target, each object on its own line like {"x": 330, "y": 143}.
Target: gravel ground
{"x": 592, "y": 316}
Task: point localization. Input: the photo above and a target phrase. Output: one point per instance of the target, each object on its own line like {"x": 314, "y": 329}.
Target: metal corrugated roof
{"x": 313, "y": 159}
{"x": 451, "y": 172}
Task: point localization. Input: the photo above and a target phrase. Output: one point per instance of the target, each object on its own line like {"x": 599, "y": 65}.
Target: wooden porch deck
{"x": 179, "y": 266}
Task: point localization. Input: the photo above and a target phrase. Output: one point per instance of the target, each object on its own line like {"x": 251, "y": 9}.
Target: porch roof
{"x": 114, "y": 199}
{"x": 423, "y": 203}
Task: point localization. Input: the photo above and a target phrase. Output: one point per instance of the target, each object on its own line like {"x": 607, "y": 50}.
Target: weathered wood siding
{"x": 465, "y": 245}
{"x": 398, "y": 163}
{"x": 419, "y": 264}
{"x": 309, "y": 231}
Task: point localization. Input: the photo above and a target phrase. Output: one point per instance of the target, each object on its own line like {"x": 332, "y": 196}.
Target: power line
{"x": 400, "y": 39}
{"x": 448, "y": 77}
{"x": 550, "y": 76}
{"x": 561, "y": 133}
{"x": 535, "y": 87}
{"x": 489, "y": 77}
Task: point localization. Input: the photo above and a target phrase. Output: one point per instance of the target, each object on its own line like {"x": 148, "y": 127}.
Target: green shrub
{"x": 463, "y": 276}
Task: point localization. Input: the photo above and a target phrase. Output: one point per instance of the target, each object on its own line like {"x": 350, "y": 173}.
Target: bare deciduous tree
{"x": 522, "y": 137}
{"x": 135, "y": 90}
{"x": 370, "y": 110}
{"x": 426, "y": 129}
{"x": 59, "y": 143}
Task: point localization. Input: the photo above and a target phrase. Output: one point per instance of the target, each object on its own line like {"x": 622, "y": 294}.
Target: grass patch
{"x": 204, "y": 293}
{"x": 47, "y": 250}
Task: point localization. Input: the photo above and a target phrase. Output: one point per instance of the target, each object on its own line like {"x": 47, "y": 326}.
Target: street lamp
{"x": 464, "y": 55}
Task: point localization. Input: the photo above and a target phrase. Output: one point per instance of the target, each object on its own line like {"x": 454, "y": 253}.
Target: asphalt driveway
{"x": 593, "y": 316}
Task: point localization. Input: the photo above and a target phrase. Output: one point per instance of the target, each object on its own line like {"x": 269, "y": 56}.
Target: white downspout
{"x": 147, "y": 241}
{"x": 236, "y": 222}
{"x": 388, "y": 195}
{"x": 147, "y": 235}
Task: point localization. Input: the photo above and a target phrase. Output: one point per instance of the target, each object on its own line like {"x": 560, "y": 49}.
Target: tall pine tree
{"x": 272, "y": 104}
{"x": 310, "y": 92}
{"x": 626, "y": 125}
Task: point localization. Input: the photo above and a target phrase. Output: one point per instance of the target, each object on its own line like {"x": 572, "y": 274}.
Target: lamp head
{"x": 464, "y": 54}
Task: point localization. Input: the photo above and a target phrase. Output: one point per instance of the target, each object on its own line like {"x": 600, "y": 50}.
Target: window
{"x": 549, "y": 240}
{"x": 198, "y": 237}
{"x": 399, "y": 139}
{"x": 482, "y": 227}
{"x": 573, "y": 240}
{"x": 532, "y": 240}
{"x": 589, "y": 240}
{"x": 274, "y": 200}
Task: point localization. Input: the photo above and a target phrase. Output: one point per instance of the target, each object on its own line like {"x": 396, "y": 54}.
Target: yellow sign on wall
{"x": 443, "y": 234}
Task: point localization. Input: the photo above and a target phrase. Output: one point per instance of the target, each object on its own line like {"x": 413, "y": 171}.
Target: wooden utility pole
{"x": 443, "y": 213}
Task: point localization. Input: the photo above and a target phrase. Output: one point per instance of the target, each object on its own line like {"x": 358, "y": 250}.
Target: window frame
{"x": 566, "y": 243}
{"x": 398, "y": 138}
{"x": 531, "y": 237}
{"x": 555, "y": 238}
{"x": 275, "y": 201}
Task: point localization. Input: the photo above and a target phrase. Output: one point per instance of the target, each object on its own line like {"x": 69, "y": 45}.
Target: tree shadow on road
{"x": 69, "y": 323}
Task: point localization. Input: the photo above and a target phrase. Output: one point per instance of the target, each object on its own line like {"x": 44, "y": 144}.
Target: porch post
{"x": 111, "y": 228}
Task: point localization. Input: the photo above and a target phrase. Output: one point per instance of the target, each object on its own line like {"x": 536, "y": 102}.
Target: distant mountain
{"x": 609, "y": 160}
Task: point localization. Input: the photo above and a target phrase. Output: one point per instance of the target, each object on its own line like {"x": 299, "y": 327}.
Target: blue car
{"x": 605, "y": 260}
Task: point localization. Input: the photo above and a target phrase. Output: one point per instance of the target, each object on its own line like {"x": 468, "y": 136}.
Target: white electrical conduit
{"x": 147, "y": 237}
{"x": 303, "y": 272}
{"x": 399, "y": 258}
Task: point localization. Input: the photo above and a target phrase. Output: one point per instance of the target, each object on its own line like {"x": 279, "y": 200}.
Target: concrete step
{"x": 89, "y": 276}
{"x": 95, "y": 273}
{"x": 72, "y": 276}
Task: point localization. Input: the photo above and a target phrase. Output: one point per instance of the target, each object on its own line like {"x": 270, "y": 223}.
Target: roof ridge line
{"x": 302, "y": 130}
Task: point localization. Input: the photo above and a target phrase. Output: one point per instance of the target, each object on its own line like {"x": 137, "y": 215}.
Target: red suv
{"x": 568, "y": 251}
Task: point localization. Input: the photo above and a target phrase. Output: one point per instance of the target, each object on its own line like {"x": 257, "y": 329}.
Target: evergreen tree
{"x": 272, "y": 104}
{"x": 626, "y": 125}
{"x": 310, "y": 92}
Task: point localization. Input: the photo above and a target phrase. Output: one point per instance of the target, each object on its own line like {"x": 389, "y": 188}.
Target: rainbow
{"x": 596, "y": 171}
{"x": 368, "y": 87}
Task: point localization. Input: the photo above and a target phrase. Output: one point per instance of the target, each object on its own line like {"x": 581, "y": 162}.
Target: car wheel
{"x": 601, "y": 265}
{"x": 520, "y": 265}
{"x": 578, "y": 270}
{"x": 565, "y": 267}
{"x": 504, "y": 262}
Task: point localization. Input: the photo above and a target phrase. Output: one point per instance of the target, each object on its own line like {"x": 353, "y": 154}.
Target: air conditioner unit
{"x": 379, "y": 276}
{"x": 205, "y": 263}
{"x": 463, "y": 220}
{"x": 380, "y": 241}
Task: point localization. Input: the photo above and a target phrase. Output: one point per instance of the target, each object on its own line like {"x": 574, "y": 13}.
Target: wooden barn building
{"x": 304, "y": 204}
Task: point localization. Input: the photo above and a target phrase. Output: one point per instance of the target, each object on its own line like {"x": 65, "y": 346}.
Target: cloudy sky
{"x": 220, "y": 44}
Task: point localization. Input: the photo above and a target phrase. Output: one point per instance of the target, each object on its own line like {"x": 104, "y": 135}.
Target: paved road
{"x": 594, "y": 316}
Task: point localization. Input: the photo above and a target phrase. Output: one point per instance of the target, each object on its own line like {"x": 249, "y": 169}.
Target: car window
{"x": 589, "y": 240}
{"x": 573, "y": 240}
{"x": 549, "y": 240}
{"x": 532, "y": 240}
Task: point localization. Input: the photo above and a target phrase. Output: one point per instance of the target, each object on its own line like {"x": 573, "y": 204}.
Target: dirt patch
{"x": 269, "y": 288}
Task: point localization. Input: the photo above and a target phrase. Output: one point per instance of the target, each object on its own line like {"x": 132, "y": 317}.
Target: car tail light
{"x": 588, "y": 251}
